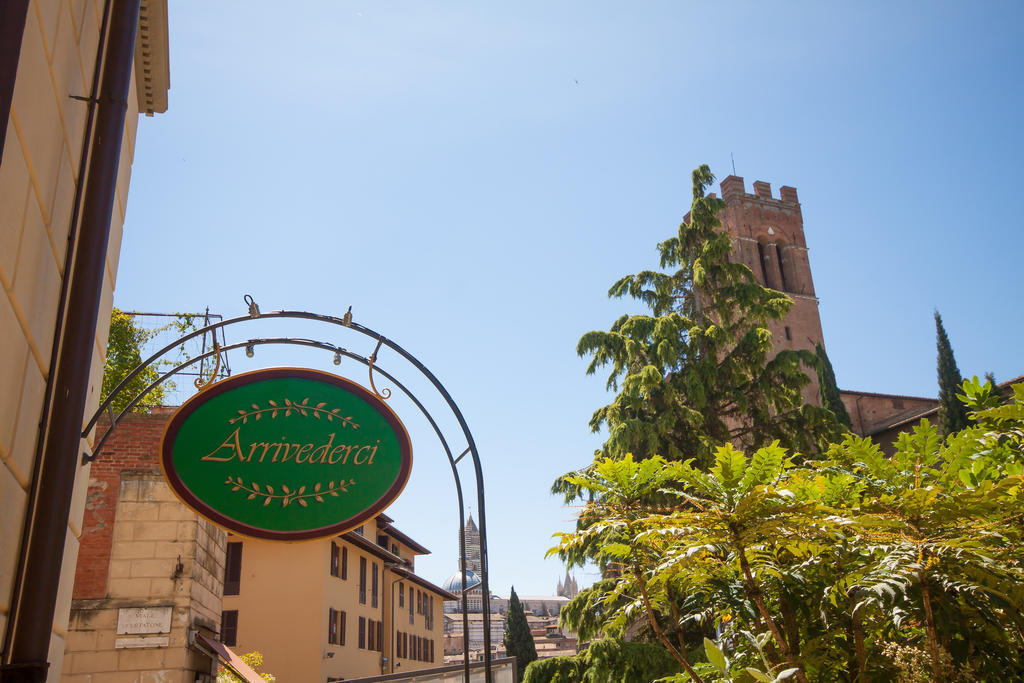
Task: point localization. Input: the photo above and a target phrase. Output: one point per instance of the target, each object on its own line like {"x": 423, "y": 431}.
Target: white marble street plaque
{"x": 152, "y": 641}
{"x": 136, "y": 620}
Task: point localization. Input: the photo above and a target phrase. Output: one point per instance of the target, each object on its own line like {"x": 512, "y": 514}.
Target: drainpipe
{"x": 12, "y": 27}
{"x": 34, "y": 602}
{"x": 62, "y": 301}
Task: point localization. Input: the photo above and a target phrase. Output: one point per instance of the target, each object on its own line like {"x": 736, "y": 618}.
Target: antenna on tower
{"x": 733, "y": 163}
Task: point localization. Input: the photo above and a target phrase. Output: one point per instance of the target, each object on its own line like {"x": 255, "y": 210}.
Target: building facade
{"x": 60, "y": 235}
{"x": 150, "y": 571}
{"x": 768, "y": 236}
{"x": 332, "y": 610}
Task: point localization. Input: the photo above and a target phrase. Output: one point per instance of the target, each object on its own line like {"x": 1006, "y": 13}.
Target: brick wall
{"x": 133, "y": 446}
{"x": 768, "y": 237}
{"x": 141, "y": 547}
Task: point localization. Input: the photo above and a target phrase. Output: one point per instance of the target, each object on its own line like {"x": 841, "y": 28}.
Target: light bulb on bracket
{"x": 337, "y": 357}
{"x": 250, "y": 351}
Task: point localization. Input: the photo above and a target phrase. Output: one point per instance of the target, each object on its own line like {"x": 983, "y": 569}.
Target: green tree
{"x": 856, "y": 567}
{"x": 124, "y": 353}
{"x": 695, "y": 371}
{"x": 830, "y": 397}
{"x": 518, "y": 639}
{"x": 608, "y": 660}
{"x": 952, "y": 413}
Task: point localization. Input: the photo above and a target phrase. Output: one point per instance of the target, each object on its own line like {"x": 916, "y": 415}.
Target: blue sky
{"x": 471, "y": 177}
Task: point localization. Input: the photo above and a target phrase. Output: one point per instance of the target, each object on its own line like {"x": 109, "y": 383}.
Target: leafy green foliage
{"x": 125, "y": 342}
{"x": 829, "y": 390}
{"x": 856, "y": 566}
{"x": 124, "y": 345}
{"x": 696, "y": 371}
{"x": 608, "y": 660}
{"x": 518, "y": 639}
{"x": 952, "y": 413}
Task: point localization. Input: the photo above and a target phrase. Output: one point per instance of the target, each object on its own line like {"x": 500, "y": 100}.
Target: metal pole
{"x": 12, "y": 27}
{"x": 35, "y": 599}
{"x": 334, "y": 320}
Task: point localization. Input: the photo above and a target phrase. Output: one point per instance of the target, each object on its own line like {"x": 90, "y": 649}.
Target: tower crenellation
{"x": 768, "y": 237}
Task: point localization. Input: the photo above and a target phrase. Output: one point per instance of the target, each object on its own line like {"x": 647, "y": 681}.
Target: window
{"x": 371, "y": 633}
{"x": 335, "y": 626}
{"x": 419, "y": 602}
{"x": 382, "y": 541}
{"x": 782, "y": 269}
{"x": 401, "y": 595}
{"x": 229, "y": 626}
{"x": 344, "y": 563}
{"x": 362, "y": 633}
{"x": 789, "y": 335}
{"x": 362, "y": 580}
{"x": 405, "y": 645}
{"x": 380, "y": 636}
{"x": 412, "y": 617}
{"x": 431, "y": 650}
{"x": 374, "y": 586}
{"x": 233, "y": 569}
{"x": 335, "y": 559}
{"x": 430, "y": 614}
{"x": 761, "y": 256}
{"x": 394, "y": 548}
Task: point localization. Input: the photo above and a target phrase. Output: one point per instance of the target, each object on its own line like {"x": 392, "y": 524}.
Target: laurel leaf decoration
{"x": 298, "y": 407}
{"x": 289, "y": 495}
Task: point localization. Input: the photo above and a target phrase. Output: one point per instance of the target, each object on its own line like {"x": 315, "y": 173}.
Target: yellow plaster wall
{"x": 38, "y": 173}
{"x": 279, "y": 606}
{"x": 285, "y": 595}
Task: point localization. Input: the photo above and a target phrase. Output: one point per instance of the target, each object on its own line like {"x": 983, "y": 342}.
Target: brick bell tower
{"x": 768, "y": 236}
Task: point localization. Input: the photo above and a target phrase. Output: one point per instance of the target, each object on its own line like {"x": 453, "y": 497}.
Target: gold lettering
{"x": 306, "y": 448}
{"x": 373, "y": 453}
{"x": 355, "y": 458}
{"x": 341, "y": 459}
{"x": 253, "y": 448}
{"x": 323, "y": 455}
{"x": 230, "y": 442}
{"x": 277, "y": 451}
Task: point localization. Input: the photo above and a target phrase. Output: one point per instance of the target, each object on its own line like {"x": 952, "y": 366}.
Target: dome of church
{"x": 453, "y": 584}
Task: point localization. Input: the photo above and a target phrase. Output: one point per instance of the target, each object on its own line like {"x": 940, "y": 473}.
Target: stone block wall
{"x": 141, "y": 547}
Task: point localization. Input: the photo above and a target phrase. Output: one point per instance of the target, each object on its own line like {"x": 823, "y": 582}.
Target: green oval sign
{"x": 286, "y": 454}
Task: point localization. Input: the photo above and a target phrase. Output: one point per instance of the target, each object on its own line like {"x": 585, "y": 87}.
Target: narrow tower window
{"x": 760, "y": 259}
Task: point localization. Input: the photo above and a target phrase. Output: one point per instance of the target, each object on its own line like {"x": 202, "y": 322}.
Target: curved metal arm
{"x": 346, "y": 322}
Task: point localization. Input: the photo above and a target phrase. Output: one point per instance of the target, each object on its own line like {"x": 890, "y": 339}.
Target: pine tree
{"x": 828, "y": 388}
{"x": 518, "y": 639}
{"x": 952, "y": 413}
{"x": 695, "y": 372}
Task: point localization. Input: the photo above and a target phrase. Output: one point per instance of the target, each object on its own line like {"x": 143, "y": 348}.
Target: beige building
{"x": 150, "y": 571}
{"x": 335, "y": 609}
{"x": 54, "y": 255}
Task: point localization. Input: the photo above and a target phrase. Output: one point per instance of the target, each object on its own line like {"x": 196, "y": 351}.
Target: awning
{"x": 231, "y": 660}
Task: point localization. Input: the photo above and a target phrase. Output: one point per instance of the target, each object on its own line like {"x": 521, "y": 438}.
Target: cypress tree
{"x": 828, "y": 388}
{"x": 952, "y": 413}
{"x": 518, "y": 639}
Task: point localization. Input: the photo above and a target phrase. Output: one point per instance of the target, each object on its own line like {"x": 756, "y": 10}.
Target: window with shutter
{"x": 229, "y": 627}
{"x": 233, "y": 569}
